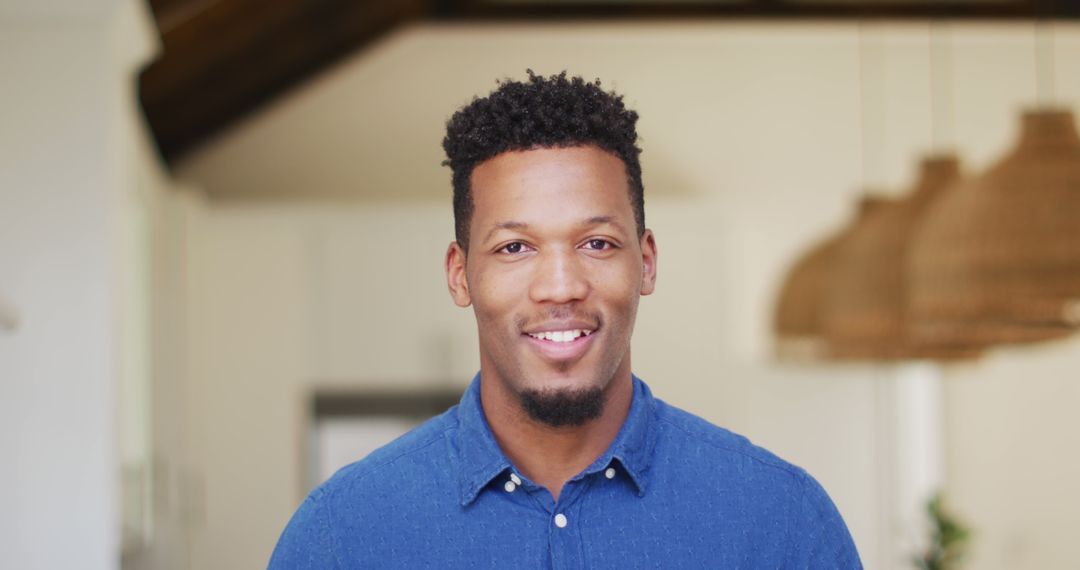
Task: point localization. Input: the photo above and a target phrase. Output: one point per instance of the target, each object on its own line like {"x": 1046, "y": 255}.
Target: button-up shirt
{"x": 671, "y": 491}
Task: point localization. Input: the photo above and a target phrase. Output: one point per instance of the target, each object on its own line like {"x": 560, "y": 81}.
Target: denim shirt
{"x": 672, "y": 491}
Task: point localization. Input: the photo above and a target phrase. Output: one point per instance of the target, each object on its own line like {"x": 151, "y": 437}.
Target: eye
{"x": 513, "y": 247}
{"x": 598, "y": 244}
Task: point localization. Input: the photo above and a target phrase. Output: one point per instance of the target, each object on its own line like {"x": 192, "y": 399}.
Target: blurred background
{"x": 222, "y": 225}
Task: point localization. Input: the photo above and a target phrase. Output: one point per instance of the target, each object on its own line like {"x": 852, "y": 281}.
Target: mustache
{"x": 559, "y": 313}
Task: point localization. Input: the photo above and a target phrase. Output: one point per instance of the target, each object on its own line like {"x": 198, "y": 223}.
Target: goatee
{"x": 564, "y": 407}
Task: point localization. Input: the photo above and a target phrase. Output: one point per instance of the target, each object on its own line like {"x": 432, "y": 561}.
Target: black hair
{"x": 551, "y": 112}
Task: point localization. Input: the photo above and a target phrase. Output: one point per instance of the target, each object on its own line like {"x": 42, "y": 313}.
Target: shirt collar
{"x": 480, "y": 459}
{"x": 634, "y": 445}
{"x": 478, "y": 454}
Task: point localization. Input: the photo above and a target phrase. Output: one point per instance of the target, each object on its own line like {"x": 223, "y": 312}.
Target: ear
{"x": 456, "y": 280}
{"x": 648, "y": 262}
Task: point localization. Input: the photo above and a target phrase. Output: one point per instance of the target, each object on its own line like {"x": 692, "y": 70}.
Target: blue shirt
{"x": 672, "y": 491}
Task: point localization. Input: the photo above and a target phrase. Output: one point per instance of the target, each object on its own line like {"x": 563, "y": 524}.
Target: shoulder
{"x": 754, "y": 480}
{"x": 408, "y": 457}
{"x": 398, "y": 473}
{"x": 356, "y": 500}
{"x": 718, "y": 447}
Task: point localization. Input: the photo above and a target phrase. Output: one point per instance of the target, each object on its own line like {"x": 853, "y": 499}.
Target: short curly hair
{"x": 551, "y": 112}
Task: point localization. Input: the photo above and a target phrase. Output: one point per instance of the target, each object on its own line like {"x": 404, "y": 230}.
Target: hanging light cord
{"x": 1045, "y": 90}
{"x": 860, "y": 45}
{"x": 865, "y": 165}
{"x": 941, "y": 120}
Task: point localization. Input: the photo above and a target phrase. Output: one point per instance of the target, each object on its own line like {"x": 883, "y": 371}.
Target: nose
{"x": 559, "y": 277}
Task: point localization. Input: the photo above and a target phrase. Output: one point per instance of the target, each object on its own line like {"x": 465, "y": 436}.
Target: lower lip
{"x": 562, "y": 351}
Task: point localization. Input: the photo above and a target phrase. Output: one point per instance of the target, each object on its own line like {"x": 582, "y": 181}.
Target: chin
{"x": 565, "y": 377}
{"x": 570, "y": 406}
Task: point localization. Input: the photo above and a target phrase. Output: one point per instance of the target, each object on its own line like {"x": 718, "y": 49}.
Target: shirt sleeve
{"x": 819, "y": 539}
{"x": 306, "y": 542}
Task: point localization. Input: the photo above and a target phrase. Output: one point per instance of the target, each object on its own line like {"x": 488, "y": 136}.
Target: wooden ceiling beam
{"x": 764, "y": 9}
{"x": 222, "y": 59}
{"x": 233, "y": 56}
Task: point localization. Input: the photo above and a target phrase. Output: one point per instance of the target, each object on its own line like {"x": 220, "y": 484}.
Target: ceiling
{"x": 223, "y": 59}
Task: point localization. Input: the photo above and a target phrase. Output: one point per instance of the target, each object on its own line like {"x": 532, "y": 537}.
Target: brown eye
{"x": 599, "y": 244}
{"x": 514, "y": 247}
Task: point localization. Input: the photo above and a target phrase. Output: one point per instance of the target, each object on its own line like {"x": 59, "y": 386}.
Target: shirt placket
{"x": 565, "y": 525}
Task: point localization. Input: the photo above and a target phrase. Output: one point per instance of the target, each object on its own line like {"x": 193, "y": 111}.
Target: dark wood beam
{"x": 223, "y": 59}
{"x": 762, "y": 9}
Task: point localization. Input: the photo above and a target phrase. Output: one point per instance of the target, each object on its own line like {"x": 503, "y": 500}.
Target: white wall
{"x": 56, "y": 404}
{"x": 753, "y": 147}
{"x": 75, "y": 177}
{"x": 1013, "y": 434}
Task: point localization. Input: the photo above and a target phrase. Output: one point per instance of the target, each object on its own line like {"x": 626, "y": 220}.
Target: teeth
{"x": 561, "y": 336}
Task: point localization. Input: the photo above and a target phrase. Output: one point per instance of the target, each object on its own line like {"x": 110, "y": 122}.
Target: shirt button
{"x": 560, "y": 520}
{"x": 509, "y": 486}
{"x": 610, "y": 473}
{"x": 515, "y": 479}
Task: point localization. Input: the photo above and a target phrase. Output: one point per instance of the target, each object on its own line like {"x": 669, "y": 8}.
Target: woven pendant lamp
{"x": 798, "y": 321}
{"x": 998, "y": 258}
{"x": 867, "y": 308}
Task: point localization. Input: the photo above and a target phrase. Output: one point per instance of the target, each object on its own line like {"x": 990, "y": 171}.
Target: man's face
{"x": 554, "y": 270}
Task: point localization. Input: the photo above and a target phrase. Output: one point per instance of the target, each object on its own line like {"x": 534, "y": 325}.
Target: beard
{"x": 564, "y": 407}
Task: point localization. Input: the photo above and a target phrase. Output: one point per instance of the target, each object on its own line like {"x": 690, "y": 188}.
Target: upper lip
{"x": 554, "y": 326}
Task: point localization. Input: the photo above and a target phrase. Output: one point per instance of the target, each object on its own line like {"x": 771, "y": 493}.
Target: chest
{"x": 599, "y": 524}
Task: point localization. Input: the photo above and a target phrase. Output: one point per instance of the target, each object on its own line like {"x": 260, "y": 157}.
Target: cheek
{"x": 622, "y": 293}
{"x": 493, "y": 308}
{"x": 626, "y": 314}
{"x": 620, "y": 285}
{"x": 497, "y": 288}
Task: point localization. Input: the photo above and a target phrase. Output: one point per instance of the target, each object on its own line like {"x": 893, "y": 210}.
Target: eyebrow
{"x": 510, "y": 225}
{"x": 600, "y": 220}
{"x": 515, "y": 225}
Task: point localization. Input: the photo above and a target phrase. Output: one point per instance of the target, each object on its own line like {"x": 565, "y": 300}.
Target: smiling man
{"x": 557, "y": 455}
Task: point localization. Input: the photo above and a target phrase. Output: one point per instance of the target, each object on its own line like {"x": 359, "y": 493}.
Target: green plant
{"x": 948, "y": 542}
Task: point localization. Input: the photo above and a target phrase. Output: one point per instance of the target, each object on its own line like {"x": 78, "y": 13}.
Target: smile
{"x": 561, "y": 336}
{"x": 564, "y": 345}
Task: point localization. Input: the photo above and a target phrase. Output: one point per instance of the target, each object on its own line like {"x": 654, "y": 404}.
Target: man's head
{"x": 557, "y": 255}
{"x": 541, "y": 112}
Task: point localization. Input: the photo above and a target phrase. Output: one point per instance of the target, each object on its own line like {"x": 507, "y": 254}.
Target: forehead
{"x": 550, "y": 184}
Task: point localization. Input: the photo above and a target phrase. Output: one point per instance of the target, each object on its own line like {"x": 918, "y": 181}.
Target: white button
{"x": 560, "y": 520}
{"x": 515, "y": 479}
{"x": 509, "y": 486}
{"x": 610, "y": 473}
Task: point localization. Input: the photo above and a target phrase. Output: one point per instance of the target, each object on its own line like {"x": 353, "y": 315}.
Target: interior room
{"x": 223, "y": 226}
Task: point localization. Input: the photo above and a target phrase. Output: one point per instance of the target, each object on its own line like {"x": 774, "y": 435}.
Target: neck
{"x": 551, "y": 456}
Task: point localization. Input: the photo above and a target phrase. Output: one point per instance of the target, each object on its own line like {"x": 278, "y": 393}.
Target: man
{"x": 557, "y": 456}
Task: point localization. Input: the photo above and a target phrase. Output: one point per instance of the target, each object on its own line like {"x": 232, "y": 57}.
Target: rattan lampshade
{"x": 997, "y": 259}
{"x": 867, "y": 308}
{"x": 798, "y": 321}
